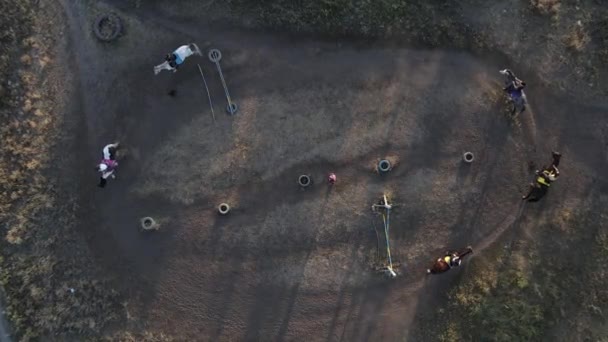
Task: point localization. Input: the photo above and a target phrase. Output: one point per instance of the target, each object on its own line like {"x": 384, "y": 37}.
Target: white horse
{"x": 175, "y": 59}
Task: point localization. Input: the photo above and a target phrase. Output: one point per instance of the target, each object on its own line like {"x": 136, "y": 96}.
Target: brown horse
{"x": 451, "y": 259}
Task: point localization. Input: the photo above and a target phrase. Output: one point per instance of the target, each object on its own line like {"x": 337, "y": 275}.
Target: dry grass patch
{"x": 46, "y": 272}
{"x": 535, "y": 288}
{"x": 577, "y": 39}
{"x": 546, "y": 7}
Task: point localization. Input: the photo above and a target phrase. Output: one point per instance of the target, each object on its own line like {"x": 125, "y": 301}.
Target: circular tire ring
{"x": 468, "y": 157}
{"x": 214, "y": 55}
{"x": 384, "y": 165}
{"x": 148, "y": 223}
{"x": 114, "y": 23}
{"x": 232, "y": 108}
{"x": 304, "y": 181}
{"x": 223, "y": 208}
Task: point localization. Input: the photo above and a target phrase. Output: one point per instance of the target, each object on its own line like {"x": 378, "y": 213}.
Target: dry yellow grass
{"x": 523, "y": 288}
{"x": 145, "y": 336}
{"x": 34, "y": 273}
{"x": 578, "y": 38}
{"x": 546, "y": 7}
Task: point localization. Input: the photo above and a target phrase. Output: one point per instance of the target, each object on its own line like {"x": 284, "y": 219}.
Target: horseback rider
{"x": 539, "y": 188}
{"x": 452, "y": 259}
{"x": 544, "y": 179}
{"x": 449, "y": 260}
{"x": 180, "y": 54}
{"x": 552, "y": 172}
{"x": 515, "y": 88}
{"x": 176, "y": 58}
{"x": 108, "y": 164}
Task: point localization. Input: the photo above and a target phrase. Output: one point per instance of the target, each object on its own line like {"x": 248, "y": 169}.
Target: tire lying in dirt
{"x": 304, "y": 181}
{"x": 107, "y": 27}
{"x": 148, "y": 223}
{"x": 468, "y": 157}
{"x": 223, "y": 209}
{"x": 384, "y": 166}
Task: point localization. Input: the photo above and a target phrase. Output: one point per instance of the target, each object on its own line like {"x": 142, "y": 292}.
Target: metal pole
{"x": 219, "y": 70}
{"x": 215, "y": 56}
{"x": 388, "y": 244}
{"x": 208, "y": 95}
{"x": 386, "y": 220}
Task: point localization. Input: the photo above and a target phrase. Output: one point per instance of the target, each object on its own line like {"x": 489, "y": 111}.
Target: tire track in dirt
{"x": 488, "y": 240}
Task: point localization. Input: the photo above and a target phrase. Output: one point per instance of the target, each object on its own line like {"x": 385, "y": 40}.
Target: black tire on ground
{"x": 384, "y": 166}
{"x": 107, "y": 27}
{"x": 148, "y": 223}
{"x": 223, "y": 208}
{"x": 304, "y": 181}
{"x": 468, "y": 157}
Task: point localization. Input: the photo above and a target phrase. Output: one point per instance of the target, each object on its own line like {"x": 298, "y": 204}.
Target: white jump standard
{"x": 386, "y": 216}
{"x": 176, "y": 58}
{"x": 215, "y": 56}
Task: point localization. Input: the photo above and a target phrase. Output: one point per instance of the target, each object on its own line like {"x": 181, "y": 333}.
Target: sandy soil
{"x": 288, "y": 264}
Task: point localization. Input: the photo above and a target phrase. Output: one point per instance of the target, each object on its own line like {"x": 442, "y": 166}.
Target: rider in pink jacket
{"x": 108, "y": 164}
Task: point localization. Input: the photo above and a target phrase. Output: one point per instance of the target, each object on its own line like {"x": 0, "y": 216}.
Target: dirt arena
{"x": 293, "y": 264}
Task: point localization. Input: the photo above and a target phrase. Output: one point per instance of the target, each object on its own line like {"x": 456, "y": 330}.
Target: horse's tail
{"x": 435, "y": 270}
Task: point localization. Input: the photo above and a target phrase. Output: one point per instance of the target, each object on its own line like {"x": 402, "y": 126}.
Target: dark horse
{"x": 515, "y": 88}
{"x": 543, "y": 180}
{"x": 449, "y": 260}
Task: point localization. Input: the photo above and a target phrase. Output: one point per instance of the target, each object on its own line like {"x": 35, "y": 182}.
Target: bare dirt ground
{"x": 288, "y": 264}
